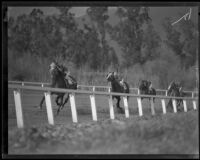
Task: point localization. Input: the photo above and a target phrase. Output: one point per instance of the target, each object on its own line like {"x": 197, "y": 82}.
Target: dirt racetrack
{"x": 173, "y": 133}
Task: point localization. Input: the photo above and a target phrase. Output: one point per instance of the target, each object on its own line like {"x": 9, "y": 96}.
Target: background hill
{"x": 157, "y": 15}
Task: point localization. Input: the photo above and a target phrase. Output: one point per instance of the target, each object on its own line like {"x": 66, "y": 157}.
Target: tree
{"x": 36, "y": 34}
{"x": 151, "y": 44}
{"x": 19, "y": 34}
{"x": 99, "y": 16}
{"x": 92, "y": 48}
{"x": 173, "y": 37}
{"x": 129, "y": 32}
{"x": 183, "y": 40}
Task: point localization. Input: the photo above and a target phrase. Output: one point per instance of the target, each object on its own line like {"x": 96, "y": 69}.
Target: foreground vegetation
{"x": 161, "y": 134}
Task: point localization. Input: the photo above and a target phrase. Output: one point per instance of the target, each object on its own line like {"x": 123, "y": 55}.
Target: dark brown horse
{"x": 175, "y": 90}
{"x": 116, "y": 86}
{"x": 58, "y": 81}
{"x": 145, "y": 88}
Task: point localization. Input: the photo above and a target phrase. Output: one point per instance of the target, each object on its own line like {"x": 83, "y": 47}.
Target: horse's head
{"x": 54, "y": 71}
{"x": 143, "y": 84}
{"x": 110, "y": 76}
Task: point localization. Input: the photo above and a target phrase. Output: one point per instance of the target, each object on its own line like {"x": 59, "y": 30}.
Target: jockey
{"x": 150, "y": 85}
{"x": 121, "y": 80}
{"x": 68, "y": 76}
{"x": 61, "y": 67}
{"x": 52, "y": 67}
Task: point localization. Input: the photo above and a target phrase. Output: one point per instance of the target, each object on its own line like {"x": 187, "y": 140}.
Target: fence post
{"x": 139, "y": 106}
{"x": 42, "y": 85}
{"x": 110, "y": 100}
{"x": 73, "y": 107}
{"x": 18, "y": 108}
{"x": 22, "y": 83}
{"x": 174, "y": 105}
{"x": 163, "y": 106}
{"x": 93, "y": 106}
{"x": 194, "y": 105}
{"x": 184, "y": 105}
{"x": 126, "y": 107}
{"x": 49, "y": 107}
{"x": 192, "y": 94}
{"x": 152, "y": 107}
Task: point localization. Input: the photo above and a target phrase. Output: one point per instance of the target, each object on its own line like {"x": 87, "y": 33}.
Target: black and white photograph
{"x": 101, "y": 79}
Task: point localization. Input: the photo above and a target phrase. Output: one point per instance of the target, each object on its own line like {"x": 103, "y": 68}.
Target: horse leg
{"x": 118, "y": 105}
{"x": 41, "y": 102}
{"x": 66, "y": 100}
{"x": 118, "y": 102}
{"x": 179, "y": 103}
{"x": 59, "y": 104}
{"x": 169, "y": 104}
{"x": 57, "y": 100}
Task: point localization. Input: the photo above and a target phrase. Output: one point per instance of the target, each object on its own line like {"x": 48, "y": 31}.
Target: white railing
{"x": 47, "y": 92}
{"x": 91, "y": 87}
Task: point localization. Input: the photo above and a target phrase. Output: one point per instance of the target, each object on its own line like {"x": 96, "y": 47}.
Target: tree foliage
{"x": 52, "y": 36}
{"x": 99, "y": 16}
{"x": 182, "y": 38}
{"x": 129, "y": 33}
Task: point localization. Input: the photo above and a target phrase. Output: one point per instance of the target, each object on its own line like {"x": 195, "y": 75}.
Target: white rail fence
{"x": 47, "y": 92}
{"x": 95, "y": 88}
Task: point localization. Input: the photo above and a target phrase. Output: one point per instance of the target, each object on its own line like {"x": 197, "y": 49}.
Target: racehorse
{"x": 175, "y": 90}
{"x": 145, "y": 87}
{"x": 58, "y": 81}
{"x": 116, "y": 86}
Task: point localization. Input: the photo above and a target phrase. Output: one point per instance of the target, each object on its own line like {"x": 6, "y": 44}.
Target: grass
{"x": 160, "y": 134}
